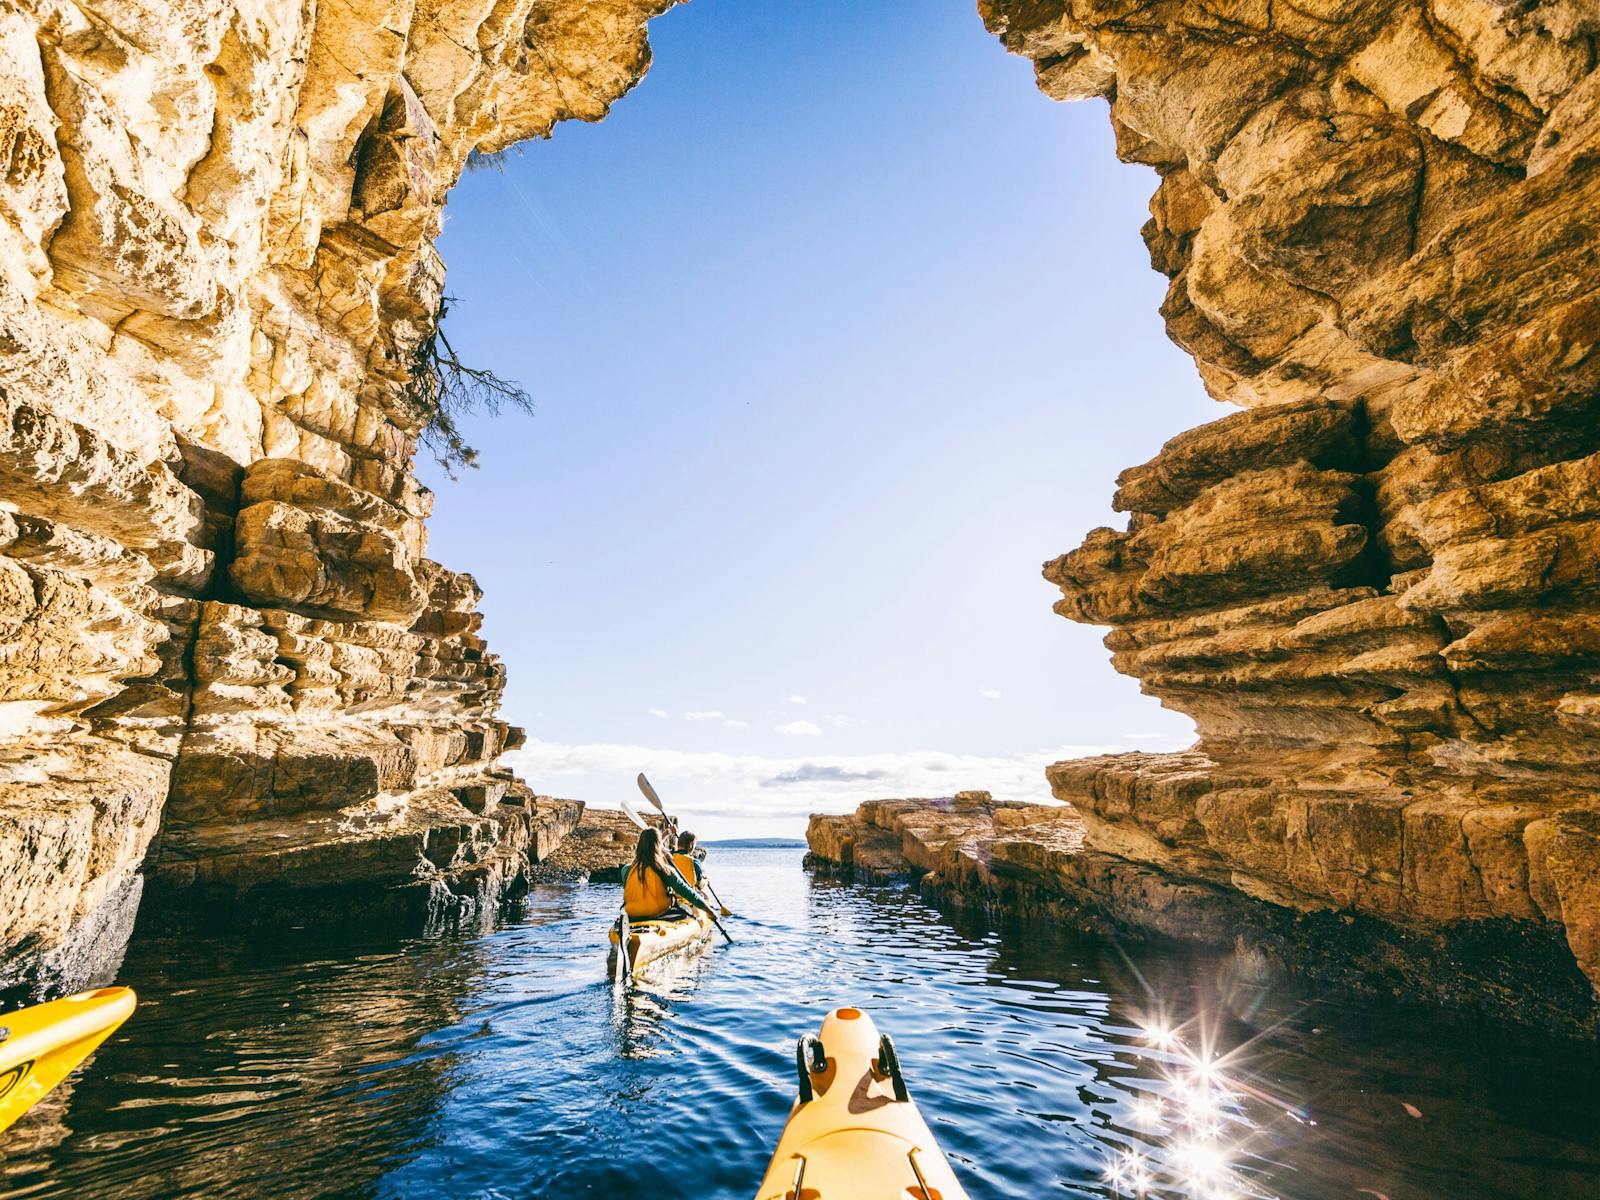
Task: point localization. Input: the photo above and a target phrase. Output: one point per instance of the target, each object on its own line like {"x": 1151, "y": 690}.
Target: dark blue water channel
{"x": 501, "y": 1063}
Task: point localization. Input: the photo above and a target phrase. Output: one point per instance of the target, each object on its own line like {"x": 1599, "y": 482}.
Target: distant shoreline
{"x": 758, "y": 843}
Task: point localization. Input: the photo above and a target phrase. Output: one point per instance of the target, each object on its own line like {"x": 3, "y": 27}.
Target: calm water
{"x": 501, "y": 1064}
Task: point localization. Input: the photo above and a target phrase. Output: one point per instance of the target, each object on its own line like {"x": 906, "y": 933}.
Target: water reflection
{"x": 503, "y": 1063}
{"x": 1198, "y": 1123}
{"x": 642, "y": 1013}
{"x": 1190, "y": 1080}
{"x": 245, "y": 1059}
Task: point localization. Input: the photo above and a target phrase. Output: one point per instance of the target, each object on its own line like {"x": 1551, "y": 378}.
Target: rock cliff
{"x": 598, "y": 850}
{"x": 1035, "y": 862}
{"x": 216, "y": 225}
{"x": 1376, "y": 588}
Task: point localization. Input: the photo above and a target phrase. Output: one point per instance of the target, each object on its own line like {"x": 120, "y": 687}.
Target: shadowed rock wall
{"x": 216, "y": 227}
{"x": 1376, "y": 589}
{"x": 1032, "y": 861}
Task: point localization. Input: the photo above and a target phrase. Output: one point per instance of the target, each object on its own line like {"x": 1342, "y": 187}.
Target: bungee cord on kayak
{"x": 853, "y": 1130}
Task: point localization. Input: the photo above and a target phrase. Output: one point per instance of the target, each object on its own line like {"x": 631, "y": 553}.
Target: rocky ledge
{"x": 1376, "y": 588}
{"x": 427, "y": 861}
{"x": 1034, "y": 861}
{"x": 599, "y": 849}
{"x": 227, "y": 664}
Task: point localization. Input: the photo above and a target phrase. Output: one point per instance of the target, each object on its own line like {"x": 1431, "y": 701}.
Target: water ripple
{"x": 502, "y": 1064}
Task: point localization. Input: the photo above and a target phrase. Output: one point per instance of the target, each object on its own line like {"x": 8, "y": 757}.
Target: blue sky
{"x": 837, "y": 329}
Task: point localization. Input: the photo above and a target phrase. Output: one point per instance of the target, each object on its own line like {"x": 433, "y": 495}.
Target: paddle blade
{"x": 627, "y": 810}
{"x": 650, "y": 794}
{"x": 624, "y": 964}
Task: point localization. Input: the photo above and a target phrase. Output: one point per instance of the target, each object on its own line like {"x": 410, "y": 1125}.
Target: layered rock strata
{"x": 1376, "y": 589}
{"x": 1035, "y": 862}
{"x": 598, "y": 850}
{"x": 889, "y": 840}
{"x": 220, "y": 621}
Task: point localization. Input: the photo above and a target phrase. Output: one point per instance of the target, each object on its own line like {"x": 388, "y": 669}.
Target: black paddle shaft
{"x": 650, "y": 795}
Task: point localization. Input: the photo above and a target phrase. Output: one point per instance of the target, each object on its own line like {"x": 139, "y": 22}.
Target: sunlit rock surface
{"x": 1376, "y": 589}
{"x": 220, "y": 620}
{"x": 1037, "y": 862}
{"x": 599, "y": 849}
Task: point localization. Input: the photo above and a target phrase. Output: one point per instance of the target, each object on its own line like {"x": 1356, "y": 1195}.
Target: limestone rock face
{"x": 599, "y": 849}
{"x": 220, "y": 621}
{"x": 1040, "y": 862}
{"x": 898, "y": 839}
{"x": 1376, "y": 589}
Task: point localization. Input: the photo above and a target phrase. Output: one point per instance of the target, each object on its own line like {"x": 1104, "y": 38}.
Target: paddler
{"x": 688, "y": 860}
{"x": 652, "y": 882}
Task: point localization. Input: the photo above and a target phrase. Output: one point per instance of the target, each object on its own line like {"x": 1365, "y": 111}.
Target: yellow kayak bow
{"x": 854, "y": 1133}
{"x": 40, "y": 1046}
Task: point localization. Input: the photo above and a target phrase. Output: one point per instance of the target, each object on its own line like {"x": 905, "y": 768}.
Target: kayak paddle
{"x": 628, "y": 811}
{"x": 624, "y": 961}
{"x": 706, "y": 883}
{"x": 650, "y": 795}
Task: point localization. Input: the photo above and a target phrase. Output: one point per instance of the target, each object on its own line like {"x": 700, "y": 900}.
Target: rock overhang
{"x": 1375, "y": 588}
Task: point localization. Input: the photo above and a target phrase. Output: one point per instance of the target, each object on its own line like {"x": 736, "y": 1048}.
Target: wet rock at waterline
{"x": 220, "y": 620}
{"x": 1376, "y": 589}
{"x": 1040, "y": 861}
{"x": 428, "y": 861}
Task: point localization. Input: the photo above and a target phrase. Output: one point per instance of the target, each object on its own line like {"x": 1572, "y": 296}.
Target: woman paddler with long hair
{"x": 652, "y": 882}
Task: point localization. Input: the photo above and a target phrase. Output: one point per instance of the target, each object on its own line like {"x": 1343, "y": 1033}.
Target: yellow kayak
{"x": 40, "y": 1046}
{"x": 854, "y": 1133}
{"x": 656, "y": 943}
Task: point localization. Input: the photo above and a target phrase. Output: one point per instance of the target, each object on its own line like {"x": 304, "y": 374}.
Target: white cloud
{"x": 990, "y": 693}
{"x": 798, "y": 729}
{"x": 797, "y": 699}
{"x": 840, "y": 721}
{"x": 658, "y": 712}
{"x": 710, "y": 714}
{"x": 780, "y": 790}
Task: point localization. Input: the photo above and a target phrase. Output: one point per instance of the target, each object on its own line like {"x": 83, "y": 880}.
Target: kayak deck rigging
{"x": 854, "y": 1132}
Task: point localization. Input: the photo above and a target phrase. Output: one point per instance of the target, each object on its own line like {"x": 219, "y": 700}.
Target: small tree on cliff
{"x": 447, "y": 389}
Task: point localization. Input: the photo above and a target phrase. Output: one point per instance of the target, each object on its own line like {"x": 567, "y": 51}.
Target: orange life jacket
{"x": 689, "y": 867}
{"x": 644, "y": 893}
